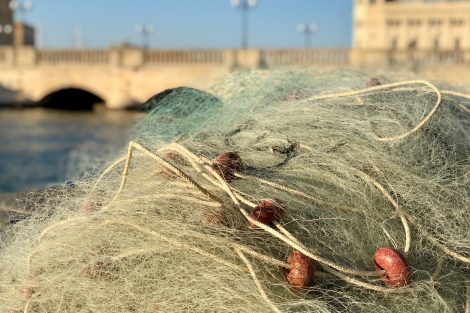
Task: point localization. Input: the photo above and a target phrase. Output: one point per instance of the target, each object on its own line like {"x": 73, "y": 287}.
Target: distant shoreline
{"x": 26, "y": 106}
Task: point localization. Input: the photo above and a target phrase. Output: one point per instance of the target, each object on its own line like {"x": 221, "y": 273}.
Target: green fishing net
{"x": 171, "y": 224}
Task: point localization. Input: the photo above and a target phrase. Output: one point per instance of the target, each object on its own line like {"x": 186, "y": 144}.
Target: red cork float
{"x": 227, "y": 164}
{"x": 267, "y": 212}
{"x": 28, "y": 292}
{"x": 87, "y": 206}
{"x": 397, "y": 270}
{"x": 302, "y": 270}
{"x": 99, "y": 269}
{"x": 373, "y": 82}
{"x": 216, "y": 219}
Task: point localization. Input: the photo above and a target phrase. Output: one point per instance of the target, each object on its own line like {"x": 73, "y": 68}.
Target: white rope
{"x": 388, "y": 86}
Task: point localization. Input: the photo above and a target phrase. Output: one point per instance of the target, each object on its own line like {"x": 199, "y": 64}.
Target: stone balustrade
{"x": 323, "y": 57}
{"x": 184, "y": 57}
{"x": 134, "y": 57}
{"x": 71, "y": 56}
{"x": 413, "y": 58}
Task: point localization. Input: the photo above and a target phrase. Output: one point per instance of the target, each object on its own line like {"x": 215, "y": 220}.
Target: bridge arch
{"x": 71, "y": 98}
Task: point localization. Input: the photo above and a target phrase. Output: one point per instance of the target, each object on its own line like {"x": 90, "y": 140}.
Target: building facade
{"x": 404, "y": 25}
{"x": 24, "y": 35}
{"x": 6, "y": 23}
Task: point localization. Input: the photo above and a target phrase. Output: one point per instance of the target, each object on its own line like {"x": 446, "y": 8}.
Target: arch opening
{"x": 70, "y": 99}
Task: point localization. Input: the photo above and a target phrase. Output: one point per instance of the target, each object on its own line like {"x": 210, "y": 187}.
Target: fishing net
{"x": 284, "y": 191}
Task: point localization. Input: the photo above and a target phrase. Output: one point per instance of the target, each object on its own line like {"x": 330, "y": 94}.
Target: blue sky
{"x": 189, "y": 23}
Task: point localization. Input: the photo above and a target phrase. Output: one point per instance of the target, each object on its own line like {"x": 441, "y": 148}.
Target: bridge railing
{"x": 134, "y": 57}
{"x": 184, "y": 57}
{"x": 430, "y": 57}
{"x": 312, "y": 57}
{"x": 124, "y": 57}
{"x": 72, "y": 56}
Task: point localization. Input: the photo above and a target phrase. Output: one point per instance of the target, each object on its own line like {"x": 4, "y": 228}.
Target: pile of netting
{"x": 277, "y": 191}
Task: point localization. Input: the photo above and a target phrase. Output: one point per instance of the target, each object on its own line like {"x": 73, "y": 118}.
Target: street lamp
{"x": 21, "y": 7}
{"x": 145, "y": 31}
{"x": 308, "y": 31}
{"x": 6, "y": 29}
{"x": 245, "y": 6}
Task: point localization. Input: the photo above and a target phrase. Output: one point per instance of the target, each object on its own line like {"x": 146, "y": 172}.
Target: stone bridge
{"x": 120, "y": 77}
{"x": 123, "y": 76}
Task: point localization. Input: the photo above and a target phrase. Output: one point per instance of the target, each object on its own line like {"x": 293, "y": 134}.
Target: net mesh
{"x": 161, "y": 230}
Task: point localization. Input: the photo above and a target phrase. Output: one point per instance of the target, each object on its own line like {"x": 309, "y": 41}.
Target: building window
{"x": 394, "y": 44}
{"x": 414, "y": 22}
{"x": 435, "y": 22}
{"x": 436, "y": 44}
{"x": 457, "y": 44}
{"x": 456, "y": 22}
{"x": 393, "y": 23}
{"x": 413, "y": 44}
{"x": 372, "y": 1}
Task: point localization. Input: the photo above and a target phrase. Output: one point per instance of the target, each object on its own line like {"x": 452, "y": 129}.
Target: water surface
{"x": 40, "y": 147}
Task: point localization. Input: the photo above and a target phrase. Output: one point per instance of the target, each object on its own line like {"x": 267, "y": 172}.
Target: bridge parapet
{"x": 314, "y": 57}
{"x": 184, "y": 57}
{"x": 134, "y": 57}
{"x": 90, "y": 57}
{"x": 129, "y": 57}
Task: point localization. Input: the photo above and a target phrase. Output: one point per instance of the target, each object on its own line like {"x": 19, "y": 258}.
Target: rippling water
{"x": 40, "y": 147}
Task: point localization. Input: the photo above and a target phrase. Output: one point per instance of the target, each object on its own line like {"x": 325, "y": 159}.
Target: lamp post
{"x": 244, "y": 6}
{"x": 145, "y": 30}
{"x": 21, "y": 7}
{"x": 308, "y": 30}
